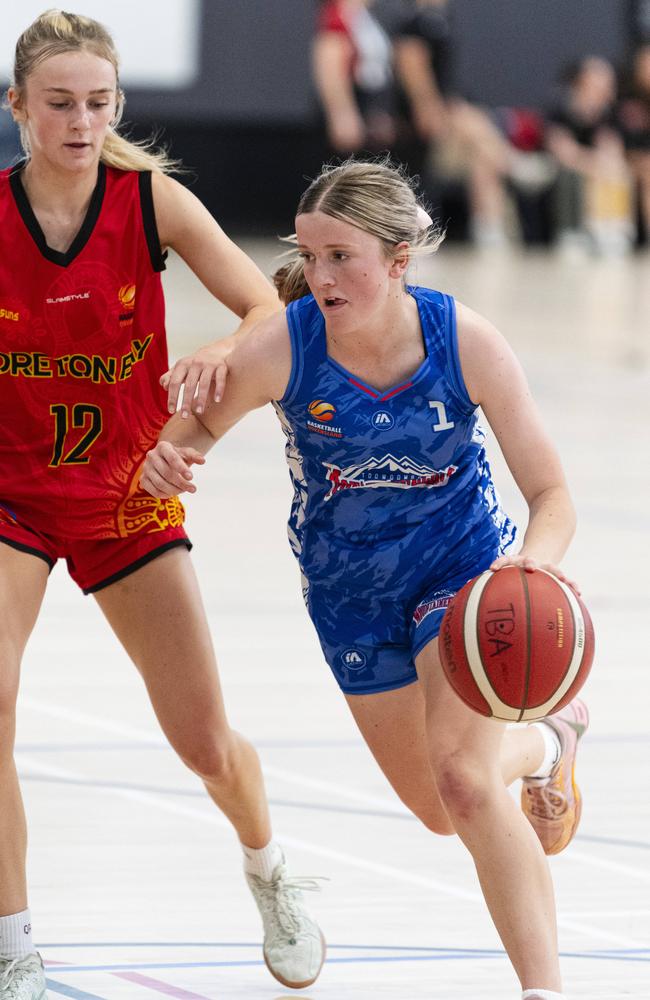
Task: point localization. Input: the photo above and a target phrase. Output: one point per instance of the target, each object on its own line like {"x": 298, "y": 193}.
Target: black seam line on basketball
{"x": 478, "y": 645}
{"x": 522, "y": 573}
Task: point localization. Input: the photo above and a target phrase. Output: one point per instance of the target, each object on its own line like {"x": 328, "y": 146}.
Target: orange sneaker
{"x": 553, "y": 805}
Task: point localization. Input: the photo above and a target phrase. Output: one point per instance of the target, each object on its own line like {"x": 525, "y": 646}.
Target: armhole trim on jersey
{"x": 158, "y": 258}
{"x": 297, "y": 358}
{"x": 454, "y": 369}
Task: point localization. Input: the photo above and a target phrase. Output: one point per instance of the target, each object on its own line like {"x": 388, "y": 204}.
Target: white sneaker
{"x": 294, "y": 946}
{"x": 22, "y": 978}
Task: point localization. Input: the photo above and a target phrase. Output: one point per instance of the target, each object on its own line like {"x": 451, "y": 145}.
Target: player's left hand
{"x": 529, "y": 564}
{"x": 197, "y": 375}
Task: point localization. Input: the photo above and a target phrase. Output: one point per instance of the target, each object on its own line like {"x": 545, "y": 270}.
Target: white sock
{"x": 264, "y": 861}
{"x": 16, "y": 935}
{"x": 552, "y": 750}
{"x": 541, "y": 995}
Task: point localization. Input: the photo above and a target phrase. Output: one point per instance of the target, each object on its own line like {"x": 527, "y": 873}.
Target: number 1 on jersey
{"x": 62, "y": 423}
{"x": 442, "y": 423}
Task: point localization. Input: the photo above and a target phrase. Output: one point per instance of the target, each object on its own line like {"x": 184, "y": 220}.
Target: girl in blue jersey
{"x": 376, "y": 385}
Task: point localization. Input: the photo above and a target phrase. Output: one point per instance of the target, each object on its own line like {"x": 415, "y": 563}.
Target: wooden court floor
{"x": 136, "y": 890}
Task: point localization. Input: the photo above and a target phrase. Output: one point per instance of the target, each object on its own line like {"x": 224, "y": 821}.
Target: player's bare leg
{"x": 393, "y": 726}
{"x": 158, "y": 615}
{"x": 465, "y": 755}
{"x": 23, "y": 579}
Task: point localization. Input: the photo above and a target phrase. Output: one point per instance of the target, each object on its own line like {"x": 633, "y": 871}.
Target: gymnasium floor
{"x": 136, "y": 889}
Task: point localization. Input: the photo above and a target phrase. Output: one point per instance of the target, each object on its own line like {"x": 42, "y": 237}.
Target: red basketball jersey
{"x": 82, "y": 346}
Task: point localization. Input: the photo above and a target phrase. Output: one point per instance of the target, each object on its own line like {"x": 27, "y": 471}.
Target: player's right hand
{"x": 166, "y": 470}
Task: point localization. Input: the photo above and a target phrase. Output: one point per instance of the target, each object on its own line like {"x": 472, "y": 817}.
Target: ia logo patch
{"x": 382, "y": 420}
{"x": 353, "y": 659}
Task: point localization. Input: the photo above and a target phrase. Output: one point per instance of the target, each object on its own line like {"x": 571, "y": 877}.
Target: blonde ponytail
{"x": 290, "y": 282}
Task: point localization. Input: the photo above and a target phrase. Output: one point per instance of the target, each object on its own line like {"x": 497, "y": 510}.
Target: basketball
{"x": 516, "y": 645}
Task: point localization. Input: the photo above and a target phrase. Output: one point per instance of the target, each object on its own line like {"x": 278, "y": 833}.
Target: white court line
{"x": 319, "y": 785}
{"x": 93, "y": 721}
{"x": 606, "y": 913}
{"x": 638, "y": 874}
{"x": 141, "y": 736}
{"x": 216, "y": 818}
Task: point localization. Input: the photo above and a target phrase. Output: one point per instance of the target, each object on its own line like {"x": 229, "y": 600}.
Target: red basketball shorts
{"x": 92, "y": 564}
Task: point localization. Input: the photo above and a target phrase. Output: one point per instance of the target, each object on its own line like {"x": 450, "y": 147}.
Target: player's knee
{"x": 210, "y": 758}
{"x": 462, "y": 787}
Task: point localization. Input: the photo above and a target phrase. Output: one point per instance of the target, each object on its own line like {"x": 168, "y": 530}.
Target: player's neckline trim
{"x": 63, "y": 259}
{"x": 381, "y": 395}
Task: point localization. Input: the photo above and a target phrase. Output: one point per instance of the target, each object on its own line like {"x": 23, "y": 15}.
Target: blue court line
{"x": 70, "y": 991}
{"x": 353, "y": 960}
{"x": 197, "y": 793}
{"x": 418, "y": 954}
{"x": 338, "y": 947}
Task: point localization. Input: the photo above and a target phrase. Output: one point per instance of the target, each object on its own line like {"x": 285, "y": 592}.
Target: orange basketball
{"x": 516, "y": 645}
{"x": 321, "y": 410}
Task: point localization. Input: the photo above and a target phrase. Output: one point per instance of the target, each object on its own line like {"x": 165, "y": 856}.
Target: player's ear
{"x": 14, "y": 100}
{"x": 400, "y": 260}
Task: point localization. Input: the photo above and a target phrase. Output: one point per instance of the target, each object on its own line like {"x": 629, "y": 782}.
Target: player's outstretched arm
{"x": 260, "y": 367}
{"x": 185, "y": 225}
{"x": 495, "y": 379}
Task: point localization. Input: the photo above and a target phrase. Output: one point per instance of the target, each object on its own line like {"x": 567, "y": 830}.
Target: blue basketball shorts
{"x": 371, "y": 643}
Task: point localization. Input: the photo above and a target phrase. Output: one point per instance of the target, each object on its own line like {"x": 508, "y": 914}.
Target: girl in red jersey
{"x": 84, "y": 223}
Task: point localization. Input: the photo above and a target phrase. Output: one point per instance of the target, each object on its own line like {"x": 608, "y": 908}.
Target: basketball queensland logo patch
{"x": 320, "y": 419}
{"x": 126, "y": 295}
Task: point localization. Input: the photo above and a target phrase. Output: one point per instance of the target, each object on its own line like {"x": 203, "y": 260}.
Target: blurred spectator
{"x": 352, "y": 66}
{"x": 439, "y": 127}
{"x": 634, "y": 122}
{"x": 592, "y": 192}
{"x": 10, "y": 148}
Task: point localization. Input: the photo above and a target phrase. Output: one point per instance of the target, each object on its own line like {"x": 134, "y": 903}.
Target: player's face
{"x": 66, "y": 106}
{"x": 347, "y": 270}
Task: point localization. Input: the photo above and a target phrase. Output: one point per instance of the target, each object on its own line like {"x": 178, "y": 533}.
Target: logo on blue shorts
{"x": 353, "y": 659}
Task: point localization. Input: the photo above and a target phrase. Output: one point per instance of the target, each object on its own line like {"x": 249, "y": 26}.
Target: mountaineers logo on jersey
{"x": 400, "y": 473}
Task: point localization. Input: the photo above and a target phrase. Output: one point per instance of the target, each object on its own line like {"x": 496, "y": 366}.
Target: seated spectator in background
{"x": 633, "y": 116}
{"x": 433, "y": 116}
{"x": 592, "y": 203}
{"x": 352, "y": 68}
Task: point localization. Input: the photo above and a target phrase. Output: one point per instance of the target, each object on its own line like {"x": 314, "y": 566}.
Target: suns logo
{"x": 321, "y": 410}
{"x": 126, "y": 295}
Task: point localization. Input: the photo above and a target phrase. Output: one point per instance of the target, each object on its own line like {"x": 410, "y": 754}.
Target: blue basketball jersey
{"x": 393, "y": 486}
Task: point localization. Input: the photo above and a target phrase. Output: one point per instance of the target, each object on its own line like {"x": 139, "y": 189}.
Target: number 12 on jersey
{"x": 84, "y": 416}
